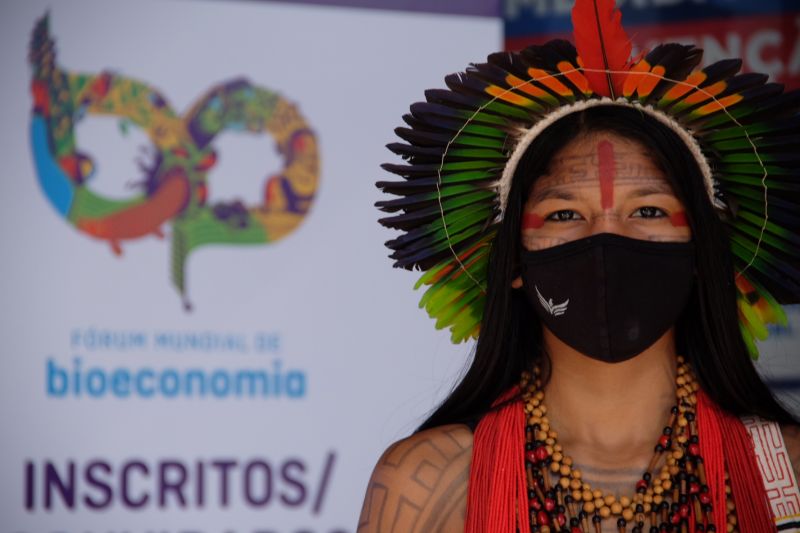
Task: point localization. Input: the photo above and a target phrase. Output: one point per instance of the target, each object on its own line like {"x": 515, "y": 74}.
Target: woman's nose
{"x": 606, "y": 222}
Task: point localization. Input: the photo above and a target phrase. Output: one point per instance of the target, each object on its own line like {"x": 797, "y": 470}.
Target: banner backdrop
{"x": 764, "y": 33}
{"x": 201, "y": 329}
{"x": 202, "y": 332}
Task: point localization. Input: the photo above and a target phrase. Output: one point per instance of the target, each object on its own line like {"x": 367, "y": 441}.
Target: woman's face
{"x": 602, "y": 183}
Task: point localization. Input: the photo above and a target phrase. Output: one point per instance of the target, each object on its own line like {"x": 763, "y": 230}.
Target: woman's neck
{"x": 610, "y": 412}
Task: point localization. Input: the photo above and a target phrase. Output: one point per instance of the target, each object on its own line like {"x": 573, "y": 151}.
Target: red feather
{"x": 602, "y": 44}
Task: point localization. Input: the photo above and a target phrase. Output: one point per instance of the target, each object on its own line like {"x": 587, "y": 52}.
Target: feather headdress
{"x": 462, "y": 145}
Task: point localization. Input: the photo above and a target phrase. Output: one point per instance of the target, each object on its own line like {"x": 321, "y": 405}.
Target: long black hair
{"x": 707, "y": 332}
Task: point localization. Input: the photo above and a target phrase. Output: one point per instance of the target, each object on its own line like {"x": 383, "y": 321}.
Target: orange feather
{"x": 602, "y": 45}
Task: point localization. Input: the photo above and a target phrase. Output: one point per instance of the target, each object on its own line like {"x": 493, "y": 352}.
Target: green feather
{"x": 755, "y": 232}
{"x": 747, "y": 337}
{"x": 476, "y": 152}
{"x": 756, "y": 182}
{"x": 755, "y": 325}
{"x": 755, "y": 169}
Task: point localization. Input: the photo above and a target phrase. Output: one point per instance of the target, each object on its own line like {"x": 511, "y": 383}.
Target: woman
{"x": 603, "y": 265}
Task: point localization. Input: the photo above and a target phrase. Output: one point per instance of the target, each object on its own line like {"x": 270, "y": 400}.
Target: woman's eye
{"x": 564, "y": 215}
{"x": 649, "y": 212}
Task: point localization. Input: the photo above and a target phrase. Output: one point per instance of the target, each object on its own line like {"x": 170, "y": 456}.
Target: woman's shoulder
{"x": 420, "y": 483}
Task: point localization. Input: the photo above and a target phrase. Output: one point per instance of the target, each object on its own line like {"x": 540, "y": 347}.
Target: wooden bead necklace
{"x": 665, "y": 501}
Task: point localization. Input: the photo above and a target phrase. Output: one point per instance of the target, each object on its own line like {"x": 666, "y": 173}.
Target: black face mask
{"x": 608, "y": 296}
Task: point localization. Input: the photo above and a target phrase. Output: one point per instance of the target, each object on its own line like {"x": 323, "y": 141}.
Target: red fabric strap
{"x": 710, "y": 435}
{"x": 737, "y": 451}
{"x": 497, "y": 501}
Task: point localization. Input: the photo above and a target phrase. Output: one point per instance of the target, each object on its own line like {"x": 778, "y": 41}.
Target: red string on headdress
{"x": 497, "y": 501}
{"x": 736, "y": 450}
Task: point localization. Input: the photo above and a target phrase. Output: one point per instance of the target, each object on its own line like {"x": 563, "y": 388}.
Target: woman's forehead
{"x": 602, "y": 159}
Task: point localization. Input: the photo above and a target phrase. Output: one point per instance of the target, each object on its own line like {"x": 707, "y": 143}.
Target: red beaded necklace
{"x": 673, "y": 499}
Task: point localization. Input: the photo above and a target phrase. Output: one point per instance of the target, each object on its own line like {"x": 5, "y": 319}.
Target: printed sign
{"x": 202, "y": 328}
{"x": 174, "y": 188}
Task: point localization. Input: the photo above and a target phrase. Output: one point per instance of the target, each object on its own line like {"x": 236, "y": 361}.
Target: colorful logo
{"x": 175, "y": 187}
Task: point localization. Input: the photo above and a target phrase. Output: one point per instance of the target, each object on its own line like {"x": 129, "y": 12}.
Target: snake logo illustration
{"x": 175, "y": 186}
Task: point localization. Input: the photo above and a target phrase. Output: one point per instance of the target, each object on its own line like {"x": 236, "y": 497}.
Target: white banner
{"x": 201, "y": 329}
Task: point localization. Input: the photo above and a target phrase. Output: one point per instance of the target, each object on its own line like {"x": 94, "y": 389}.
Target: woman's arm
{"x": 791, "y": 436}
{"x": 420, "y": 484}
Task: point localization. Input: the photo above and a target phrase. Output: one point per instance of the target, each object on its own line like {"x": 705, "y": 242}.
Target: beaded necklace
{"x": 675, "y": 499}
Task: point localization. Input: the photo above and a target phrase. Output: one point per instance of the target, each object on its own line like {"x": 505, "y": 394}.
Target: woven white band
{"x": 527, "y": 137}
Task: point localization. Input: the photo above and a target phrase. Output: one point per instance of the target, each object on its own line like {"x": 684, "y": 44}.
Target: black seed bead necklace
{"x": 672, "y": 498}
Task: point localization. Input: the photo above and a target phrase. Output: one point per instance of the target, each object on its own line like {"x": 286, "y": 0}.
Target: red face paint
{"x": 679, "y": 219}
{"x": 608, "y": 170}
{"x": 532, "y": 221}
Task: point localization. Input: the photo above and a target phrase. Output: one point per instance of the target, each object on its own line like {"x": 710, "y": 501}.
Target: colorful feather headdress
{"x": 462, "y": 146}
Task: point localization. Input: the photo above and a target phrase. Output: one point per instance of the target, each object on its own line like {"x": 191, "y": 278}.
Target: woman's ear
{"x": 516, "y": 283}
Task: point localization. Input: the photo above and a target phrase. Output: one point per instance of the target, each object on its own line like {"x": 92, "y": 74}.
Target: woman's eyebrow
{"x": 557, "y": 193}
{"x": 655, "y": 188}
